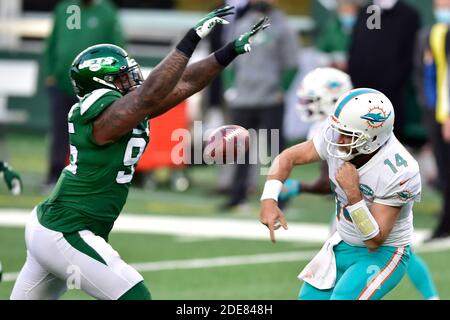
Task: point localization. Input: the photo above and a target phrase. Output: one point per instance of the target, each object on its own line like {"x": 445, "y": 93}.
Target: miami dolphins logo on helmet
{"x": 376, "y": 117}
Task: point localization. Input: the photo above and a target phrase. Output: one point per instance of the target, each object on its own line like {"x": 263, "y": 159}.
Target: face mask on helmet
{"x": 344, "y": 144}
{"x": 126, "y": 80}
{"x": 361, "y": 123}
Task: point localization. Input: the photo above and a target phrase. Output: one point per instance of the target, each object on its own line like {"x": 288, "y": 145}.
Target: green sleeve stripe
{"x": 78, "y": 243}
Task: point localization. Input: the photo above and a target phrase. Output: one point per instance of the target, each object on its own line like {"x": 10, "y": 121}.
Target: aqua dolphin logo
{"x": 376, "y": 119}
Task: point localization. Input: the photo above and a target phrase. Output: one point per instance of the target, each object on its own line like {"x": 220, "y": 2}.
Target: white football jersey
{"x": 391, "y": 178}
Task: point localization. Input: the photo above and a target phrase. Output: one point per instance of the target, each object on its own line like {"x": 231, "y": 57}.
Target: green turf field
{"x": 171, "y": 258}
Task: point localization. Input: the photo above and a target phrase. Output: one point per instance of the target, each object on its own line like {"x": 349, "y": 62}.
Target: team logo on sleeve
{"x": 376, "y": 117}
{"x": 366, "y": 190}
{"x": 405, "y": 195}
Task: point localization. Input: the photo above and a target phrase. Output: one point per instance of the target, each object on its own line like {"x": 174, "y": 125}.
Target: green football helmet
{"x": 104, "y": 66}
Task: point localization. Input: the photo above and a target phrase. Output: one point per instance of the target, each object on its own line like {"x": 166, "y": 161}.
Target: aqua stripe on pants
{"x": 362, "y": 274}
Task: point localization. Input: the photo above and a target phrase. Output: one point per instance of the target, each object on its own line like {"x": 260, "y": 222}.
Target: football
{"x": 227, "y": 144}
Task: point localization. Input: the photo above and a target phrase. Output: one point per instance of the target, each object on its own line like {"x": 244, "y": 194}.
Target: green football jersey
{"x": 93, "y": 188}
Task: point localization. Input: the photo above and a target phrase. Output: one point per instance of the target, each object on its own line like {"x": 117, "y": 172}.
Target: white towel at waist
{"x": 320, "y": 272}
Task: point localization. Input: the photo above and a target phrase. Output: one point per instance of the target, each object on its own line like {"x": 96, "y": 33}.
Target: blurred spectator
{"x": 335, "y": 37}
{"x": 97, "y": 23}
{"x": 260, "y": 80}
{"x": 382, "y": 58}
{"x": 432, "y": 80}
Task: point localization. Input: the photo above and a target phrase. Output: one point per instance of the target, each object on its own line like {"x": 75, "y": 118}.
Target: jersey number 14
{"x": 399, "y": 161}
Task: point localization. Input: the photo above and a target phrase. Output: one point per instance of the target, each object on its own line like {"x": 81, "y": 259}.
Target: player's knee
{"x": 138, "y": 292}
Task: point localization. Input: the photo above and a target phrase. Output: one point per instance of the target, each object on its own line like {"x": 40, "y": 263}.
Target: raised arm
{"x": 124, "y": 114}
{"x": 198, "y": 75}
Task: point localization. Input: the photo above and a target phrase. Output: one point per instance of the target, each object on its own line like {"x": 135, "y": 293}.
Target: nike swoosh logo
{"x": 405, "y": 181}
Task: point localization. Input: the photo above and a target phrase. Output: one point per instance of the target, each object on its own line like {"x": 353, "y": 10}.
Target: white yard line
{"x": 209, "y": 262}
{"x": 200, "y": 227}
{"x": 227, "y": 261}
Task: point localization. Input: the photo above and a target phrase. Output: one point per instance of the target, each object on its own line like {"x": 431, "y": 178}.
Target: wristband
{"x": 188, "y": 44}
{"x": 226, "y": 54}
{"x": 272, "y": 189}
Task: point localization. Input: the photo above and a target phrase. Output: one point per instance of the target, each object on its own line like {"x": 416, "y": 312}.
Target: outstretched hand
{"x": 243, "y": 43}
{"x": 205, "y": 25}
{"x": 272, "y": 217}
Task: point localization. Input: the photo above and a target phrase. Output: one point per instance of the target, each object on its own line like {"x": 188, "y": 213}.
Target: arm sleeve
{"x": 403, "y": 189}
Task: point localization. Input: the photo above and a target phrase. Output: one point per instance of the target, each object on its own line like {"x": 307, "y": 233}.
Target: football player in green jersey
{"x": 67, "y": 234}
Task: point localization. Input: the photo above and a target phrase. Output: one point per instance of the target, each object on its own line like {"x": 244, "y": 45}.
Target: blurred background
{"x": 183, "y": 226}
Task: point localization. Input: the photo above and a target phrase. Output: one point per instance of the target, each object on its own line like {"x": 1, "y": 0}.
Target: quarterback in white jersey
{"x": 390, "y": 178}
{"x": 376, "y": 182}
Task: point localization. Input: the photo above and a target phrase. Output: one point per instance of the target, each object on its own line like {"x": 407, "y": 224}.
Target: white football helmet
{"x": 319, "y": 92}
{"x": 365, "y": 115}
